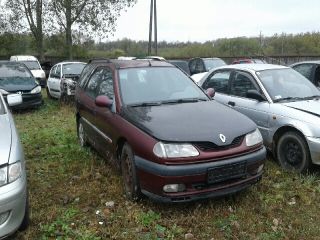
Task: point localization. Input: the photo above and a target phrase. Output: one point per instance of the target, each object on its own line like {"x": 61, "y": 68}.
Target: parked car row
{"x": 174, "y": 140}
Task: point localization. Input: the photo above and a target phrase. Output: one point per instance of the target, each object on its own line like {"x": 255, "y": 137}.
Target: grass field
{"x": 70, "y": 186}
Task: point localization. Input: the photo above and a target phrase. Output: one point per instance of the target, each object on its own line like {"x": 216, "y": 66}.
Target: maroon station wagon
{"x": 172, "y": 142}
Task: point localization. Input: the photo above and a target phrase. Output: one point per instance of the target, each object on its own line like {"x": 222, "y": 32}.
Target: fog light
{"x": 172, "y": 188}
{"x": 3, "y": 217}
{"x": 260, "y": 168}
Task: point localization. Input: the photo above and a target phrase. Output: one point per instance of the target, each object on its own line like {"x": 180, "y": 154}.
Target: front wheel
{"x": 293, "y": 152}
{"x": 129, "y": 174}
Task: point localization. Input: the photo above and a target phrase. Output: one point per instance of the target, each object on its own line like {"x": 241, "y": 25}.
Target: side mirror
{"x": 210, "y": 92}
{"x": 14, "y": 99}
{"x": 254, "y": 94}
{"x": 103, "y": 101}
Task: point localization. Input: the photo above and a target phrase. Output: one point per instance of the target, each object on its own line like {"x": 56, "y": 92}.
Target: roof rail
{"x": 99, "y": 60}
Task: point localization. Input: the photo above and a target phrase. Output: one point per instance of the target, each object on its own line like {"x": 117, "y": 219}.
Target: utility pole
{"x": 153, "y": 15}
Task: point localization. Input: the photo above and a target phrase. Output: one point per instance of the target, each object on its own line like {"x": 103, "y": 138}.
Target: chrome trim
{"x": 97, "y": 130}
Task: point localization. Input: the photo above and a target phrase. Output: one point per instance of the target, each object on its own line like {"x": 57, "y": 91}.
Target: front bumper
{"x": 314, "y": 147}
{"x": 13, "y": 198}
{"x": 152, "y": 177}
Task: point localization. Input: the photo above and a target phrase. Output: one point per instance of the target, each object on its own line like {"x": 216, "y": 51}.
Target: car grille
{"x": 209, "y": 146}
{"x": 226, "y": 172}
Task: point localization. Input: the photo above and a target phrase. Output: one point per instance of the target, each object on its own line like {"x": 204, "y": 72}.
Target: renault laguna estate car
{"x": 172, "y": 142}
{"x": 14, "y": 207}
{"x": 284, "y": 104}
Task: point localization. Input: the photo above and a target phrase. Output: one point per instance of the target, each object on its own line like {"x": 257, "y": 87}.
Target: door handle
{"x": 232, "y": 104}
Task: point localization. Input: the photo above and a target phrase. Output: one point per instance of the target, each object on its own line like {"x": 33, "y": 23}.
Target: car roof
{"x": 311, "y": 61}
{"x": 133, "y": 63}
{"x": 6, "y": 62}
{"x": 252, "y": 67}
{"x": 69, "y": 62}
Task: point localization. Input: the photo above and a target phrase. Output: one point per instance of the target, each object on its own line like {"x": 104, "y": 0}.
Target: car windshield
{"x": 287, "y": 85}
{"x": 72, "y": 68}
{"x": 157, "y": 85}
{"x": 213, "y": 63}
{"x": 32, "y": 65}
{"x": 15, "y": 74}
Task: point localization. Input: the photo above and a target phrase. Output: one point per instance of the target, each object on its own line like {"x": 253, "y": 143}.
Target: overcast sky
{"x": 202, "y": 20}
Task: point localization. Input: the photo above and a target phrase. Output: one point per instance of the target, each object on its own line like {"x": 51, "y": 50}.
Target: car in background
{"x": 34, "y": 66}
{"x": 15, "y": 77}
{"x": 309, "y": 69}
{"x": 283, "y": 103}
{"x": 14, "y": 204}
{"x": 63, "y": 78}
{"x": 248, "y": 60}
{"x": 183, "y": 65}
{"x": 200, "y": 65}
{"x": 141, "y": 115}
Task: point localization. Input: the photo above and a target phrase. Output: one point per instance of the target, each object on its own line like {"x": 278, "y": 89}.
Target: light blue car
{"x": 283, "y": 103}
{"x": 14, "y": 210}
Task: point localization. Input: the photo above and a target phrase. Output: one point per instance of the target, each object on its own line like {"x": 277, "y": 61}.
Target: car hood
{"x": 190, "y": 122}
{"x": 5, "y": 139}
{"x": 18, "y": 84}
{"x": 308, "y": 106}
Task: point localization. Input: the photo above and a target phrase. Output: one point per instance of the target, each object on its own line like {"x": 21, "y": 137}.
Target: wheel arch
{"x": 282, "y": 130}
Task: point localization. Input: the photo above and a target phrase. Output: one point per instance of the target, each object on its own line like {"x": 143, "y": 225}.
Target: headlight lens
{"x": 10, "y": 174}
{"x": 167, "y": 150}
{"x": 253, "y": 138}
{"x": 3, "y": 91}
{"x": 36, "y": 90}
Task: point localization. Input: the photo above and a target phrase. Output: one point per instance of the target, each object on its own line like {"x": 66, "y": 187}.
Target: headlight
{"x": 253, "y": 138}
{"x": 3, "y": 91}
{"x": 10, "y": 174}
{"x": 167, "y": 150}
{"x": 36, "y": 90}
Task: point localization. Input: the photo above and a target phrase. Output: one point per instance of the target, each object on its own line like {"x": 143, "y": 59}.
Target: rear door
{"x": 54, "y": 81}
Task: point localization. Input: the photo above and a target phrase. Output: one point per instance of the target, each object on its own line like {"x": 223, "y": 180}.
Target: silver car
{"x": 283, "y": 103}
{"x": 14, "y": 211}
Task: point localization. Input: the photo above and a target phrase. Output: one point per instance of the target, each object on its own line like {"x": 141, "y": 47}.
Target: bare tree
{"x": 27, "y": 15}
{"x": 91, "y": 17}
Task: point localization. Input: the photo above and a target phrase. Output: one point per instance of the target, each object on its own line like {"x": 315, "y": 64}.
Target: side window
{"x": 52, "y": 72}
{"x": 58, "y": 71}
{"x": 219, "y": 81}
{"x": 100, "y": 83}
{"x": 199, "y": 68}
{"x": 192, "y": 66}
{"x": 317, "y": 77}
{"x": 305, "y": 70}
{"x": 241, "y": 84}
{"x": 85, "y": 74}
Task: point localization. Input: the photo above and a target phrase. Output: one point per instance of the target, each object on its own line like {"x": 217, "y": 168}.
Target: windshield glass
{"x": 72, "y": 68}
{"x": 32, "y": 65}
{"x": 157, "y": 84}
{"x": 286, "y": 84}
{"x": 213, "y": 63}
{"x": 15, "y": 74}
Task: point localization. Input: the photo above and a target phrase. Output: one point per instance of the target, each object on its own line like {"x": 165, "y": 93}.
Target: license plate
{"x": 226, "y": 172}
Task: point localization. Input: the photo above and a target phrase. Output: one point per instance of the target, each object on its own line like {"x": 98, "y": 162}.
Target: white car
{"x": 198, "y": 76}
{"x": 63, "y": 78}
{"x": 34, "y": 66}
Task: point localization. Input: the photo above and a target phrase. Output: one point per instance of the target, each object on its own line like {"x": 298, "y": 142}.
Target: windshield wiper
{"x": 288, "y": 99}
{"x": 144, "y": 104}
{"x": 311, "y": 97}
{"x": 184, "y": 100}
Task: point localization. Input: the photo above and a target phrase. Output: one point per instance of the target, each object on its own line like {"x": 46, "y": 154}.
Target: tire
{"x": 26, "y": 219}
{"x": 293, "y": 152}
{"x": 81, "y": 134}
{"x": 48, "y": 93}
{"x": 129, "y": 175}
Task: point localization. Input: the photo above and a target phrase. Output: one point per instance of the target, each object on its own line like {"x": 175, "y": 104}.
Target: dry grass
{"x": 68, "y": 185}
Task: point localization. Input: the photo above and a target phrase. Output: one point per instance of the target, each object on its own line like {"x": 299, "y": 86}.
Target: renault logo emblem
{"x": 222, "y": 137}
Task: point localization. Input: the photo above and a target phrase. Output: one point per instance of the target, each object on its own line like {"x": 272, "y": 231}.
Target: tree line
{"x": 70, "y": 29}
